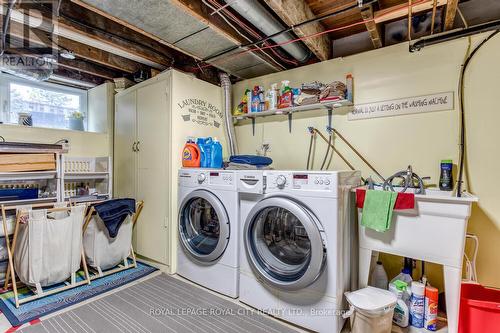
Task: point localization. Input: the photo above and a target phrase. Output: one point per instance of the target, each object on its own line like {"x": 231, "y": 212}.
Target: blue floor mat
{"x": 46, "y": 305}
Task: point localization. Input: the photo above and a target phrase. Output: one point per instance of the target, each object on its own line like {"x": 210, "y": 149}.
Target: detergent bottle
{"x": 286, "y": 98}
{"x": 216, "y": 160}
{"x": 191, "y": 154}
{"x": 205, "y": 145}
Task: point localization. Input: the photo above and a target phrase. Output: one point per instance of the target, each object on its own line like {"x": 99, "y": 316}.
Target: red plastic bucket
{"x": 479, "y": 309}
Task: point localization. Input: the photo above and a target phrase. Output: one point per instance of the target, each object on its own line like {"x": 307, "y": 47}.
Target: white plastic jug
{"x": 371, "y": 310}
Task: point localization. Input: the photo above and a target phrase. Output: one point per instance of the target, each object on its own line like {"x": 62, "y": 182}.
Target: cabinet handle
{"x": 137, "y": 146}
{"x": 134, "y": 147}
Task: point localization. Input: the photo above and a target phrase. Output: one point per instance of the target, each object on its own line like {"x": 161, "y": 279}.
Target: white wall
{"x": 393, "y": 143}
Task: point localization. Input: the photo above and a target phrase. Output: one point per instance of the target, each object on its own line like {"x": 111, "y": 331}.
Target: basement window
{"x": 42, "y": 104}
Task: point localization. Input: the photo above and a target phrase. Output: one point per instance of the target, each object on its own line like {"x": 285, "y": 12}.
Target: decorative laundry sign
{"x": 408, "y": 105}
{"x": 200, "y": 112}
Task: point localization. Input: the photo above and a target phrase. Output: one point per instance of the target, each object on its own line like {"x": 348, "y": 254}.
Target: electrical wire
{"x": 214, "y": 5}
{"x": 314, "y": 35}
{"x": 462, "y": 112}
{"x": 327, "y": 150}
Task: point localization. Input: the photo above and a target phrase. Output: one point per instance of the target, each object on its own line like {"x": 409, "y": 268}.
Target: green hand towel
{"x": 377, "y": 210}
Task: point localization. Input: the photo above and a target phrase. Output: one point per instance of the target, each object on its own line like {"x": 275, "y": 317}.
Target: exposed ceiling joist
{"x": 297, "y": 11}
{"x": 93, "y": 40}
{"x": 88, "y": 68}
{"x": 400, "y": 11}
{"x": 39, "y": 38}
{"x": 451, "y": 11}
{"x": 372, "y": 27}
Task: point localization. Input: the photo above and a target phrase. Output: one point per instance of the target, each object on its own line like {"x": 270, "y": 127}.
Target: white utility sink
{"x": 434, "y": 232}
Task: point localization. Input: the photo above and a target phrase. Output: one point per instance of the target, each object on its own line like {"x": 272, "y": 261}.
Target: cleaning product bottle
{"x": 401, "y": 315}
{"x": 446, "y": 177}
{"x": 286, "y": 98}
{"x": 273, "y": 96}
{"x": 431, "y": 308}
{"x": 417, "y": 301}
{"x": 191, "y": 154}
{"x": 349, "y": 88}
{"x": 216, "y": 160}
{"x": 379, "y": 277}
{"x": 255, "y": 101}
{"x": 405, "y": 277}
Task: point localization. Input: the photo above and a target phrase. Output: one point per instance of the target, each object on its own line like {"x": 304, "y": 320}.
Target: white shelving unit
{"x": 86, "y": 178}
{"x": 47, "y": 182}
{"x": 340, "y": 106}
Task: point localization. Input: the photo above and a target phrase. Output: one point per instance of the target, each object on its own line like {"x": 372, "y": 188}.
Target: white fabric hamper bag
{"x": 49, "y": 246}
{"x": 103, "y": 252}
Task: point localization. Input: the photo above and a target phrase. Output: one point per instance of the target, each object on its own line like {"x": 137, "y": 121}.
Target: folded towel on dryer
{"x": 251, "y": 160}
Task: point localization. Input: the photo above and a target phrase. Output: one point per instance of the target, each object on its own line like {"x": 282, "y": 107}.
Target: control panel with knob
{"x": 201, "y": 178}
{"x": 281, "y": 181}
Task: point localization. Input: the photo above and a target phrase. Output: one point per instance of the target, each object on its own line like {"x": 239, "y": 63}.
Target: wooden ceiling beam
{"x": 42, "y": 19}
{"x": 76, "y": 75}
{"x": 400, "y": 11}
{"x": 41, "y": 38}
{"x": 449, "y": 16}
{"x": 373, "y": 28}
{"x": 297, "y": 11}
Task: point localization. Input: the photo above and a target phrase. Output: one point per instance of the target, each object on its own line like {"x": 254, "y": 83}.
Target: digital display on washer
{"x": 214, "y": 174}
{"x": 300, "y": 180}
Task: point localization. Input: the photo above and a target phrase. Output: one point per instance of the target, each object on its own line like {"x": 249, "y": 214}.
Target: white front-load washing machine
{"x": 208, "y": 250}
{"x": 295, "y": 240}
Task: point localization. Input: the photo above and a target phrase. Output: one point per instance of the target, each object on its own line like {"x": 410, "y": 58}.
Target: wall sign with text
{"x": 200, "y": 112}
{"x": 418, "y": 104}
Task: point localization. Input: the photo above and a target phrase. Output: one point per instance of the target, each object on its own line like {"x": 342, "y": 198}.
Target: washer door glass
{"x": 284, "y": 244}
{"x": 203, "y": 226}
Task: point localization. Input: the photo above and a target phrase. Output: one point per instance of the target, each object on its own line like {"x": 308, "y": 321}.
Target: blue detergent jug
{"x": 205, "y": 145}
{"x": 216, "y": 160}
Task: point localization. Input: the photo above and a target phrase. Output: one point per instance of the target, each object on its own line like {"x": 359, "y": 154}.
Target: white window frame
{"x": 6, "y": 80}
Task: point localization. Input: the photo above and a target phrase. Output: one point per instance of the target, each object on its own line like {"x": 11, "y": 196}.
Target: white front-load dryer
{"x": 295, "y": 245}
{"x": 208, "y": 229}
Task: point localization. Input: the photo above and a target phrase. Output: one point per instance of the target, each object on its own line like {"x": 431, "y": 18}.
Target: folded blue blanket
{"x": 114, "y": 212}
{"x": 251, "y": 159}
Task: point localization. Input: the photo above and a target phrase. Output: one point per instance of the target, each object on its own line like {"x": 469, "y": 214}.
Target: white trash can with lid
{"x": 371, "y": 310}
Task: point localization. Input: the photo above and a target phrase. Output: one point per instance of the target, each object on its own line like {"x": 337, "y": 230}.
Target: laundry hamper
{"x": 49, "y": 246}
{"x": 103, "y": 252}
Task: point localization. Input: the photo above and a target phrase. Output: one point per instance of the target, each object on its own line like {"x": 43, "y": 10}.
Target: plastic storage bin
{"x": 479, "y": 309}
{"x": 371, "y": 310}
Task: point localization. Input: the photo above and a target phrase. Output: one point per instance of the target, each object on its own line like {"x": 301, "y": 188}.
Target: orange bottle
{"x": 191, "y": 155}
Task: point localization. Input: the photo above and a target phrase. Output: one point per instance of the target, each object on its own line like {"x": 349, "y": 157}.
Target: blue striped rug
{"x": 46, "y": 305}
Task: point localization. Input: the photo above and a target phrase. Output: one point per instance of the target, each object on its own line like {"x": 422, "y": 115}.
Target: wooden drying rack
{"x": 87, "y": 219}
{"x": 91, "y": 212}
{"x": 10, "y": 252}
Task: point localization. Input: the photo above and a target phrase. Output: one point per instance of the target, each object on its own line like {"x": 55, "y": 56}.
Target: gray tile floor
{"x": 160, "y": 304}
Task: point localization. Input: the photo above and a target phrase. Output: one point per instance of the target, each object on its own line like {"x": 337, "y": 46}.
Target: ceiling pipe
{"x": 454, "y": 34}
{"x": 260, "y": 17}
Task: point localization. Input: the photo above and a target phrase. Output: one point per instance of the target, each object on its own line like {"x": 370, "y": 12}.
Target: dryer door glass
{"x": 203, "y": 226}
{"x": 284, "y": 244}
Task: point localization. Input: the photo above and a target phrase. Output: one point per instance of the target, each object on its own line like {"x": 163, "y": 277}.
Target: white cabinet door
{"x": 125, "y": 136}
{"x": 153, "y": 129}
